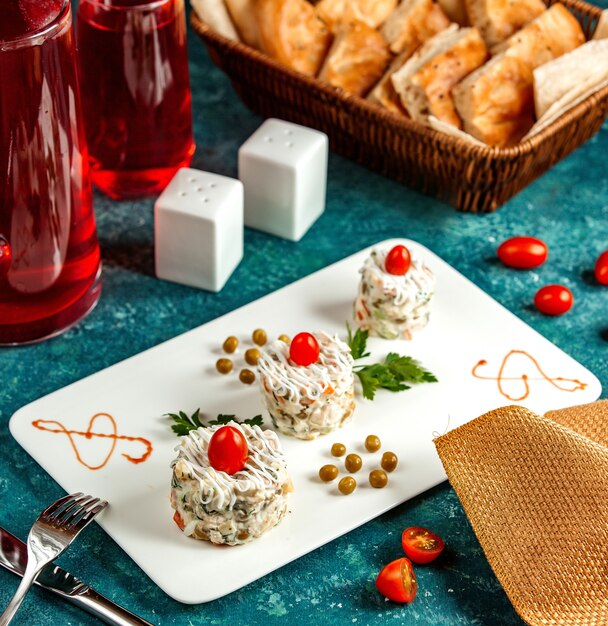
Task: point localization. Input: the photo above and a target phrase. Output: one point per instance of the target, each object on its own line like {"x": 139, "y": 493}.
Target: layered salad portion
{"x": 308, "y": 384}
{"x": 230, "y": 483}
{"x": 395, "y": 292}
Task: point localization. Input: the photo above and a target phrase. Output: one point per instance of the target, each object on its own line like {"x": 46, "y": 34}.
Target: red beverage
{"x": 49, "y": 255}
{"x": 136, "y": 93}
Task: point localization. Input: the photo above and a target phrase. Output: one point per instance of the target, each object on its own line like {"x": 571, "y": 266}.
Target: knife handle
{"x": 106, "y": 610}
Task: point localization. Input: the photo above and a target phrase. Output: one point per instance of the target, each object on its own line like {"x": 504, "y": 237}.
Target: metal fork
{"x": 53, "y": 531}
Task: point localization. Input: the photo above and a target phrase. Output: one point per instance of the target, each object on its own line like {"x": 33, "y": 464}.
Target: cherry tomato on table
{"x": 601, "y": 268}
{"x": 523, "y": 253}
{"x": 304, "y": 349}
{"x": 397, "y": 581}
{"x": 553, "y": 300}
{"x": 398, "y": 261}
{"x": 421, "y": 545}
{"x": 228, "y": 450}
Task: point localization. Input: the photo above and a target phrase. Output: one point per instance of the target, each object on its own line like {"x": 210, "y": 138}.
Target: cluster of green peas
{"x": 378, "y": 478}
{"x": 252, "y": 355}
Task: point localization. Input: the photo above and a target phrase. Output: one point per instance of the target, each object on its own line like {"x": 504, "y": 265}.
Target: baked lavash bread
{"x": 291, "y": 32}
{"x": 215, "y": 14}
{"x": 448, "y": 129}
{"x": 551, "y": 34}
{"x": 372, "y": 12}
{"x": 357, "y": 58}
{"x": 412, "y": 23}
{"x": 499, "y": 19}
{"x": 384, "y": 92}
{"x": 601, "y": 30}
{"x": 456, "y": 10}
{"x": 425, "y": 82}
{"x": 568, "y": 80}
{"x": 570, "y": 74}
{"x": 241, "y": 12}
{"x": 496, "y": 103}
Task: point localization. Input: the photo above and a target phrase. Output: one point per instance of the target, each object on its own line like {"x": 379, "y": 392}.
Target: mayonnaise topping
{"x": 265, "y": 468}
{"x": 333, "y": 368}
{"x": 416, "y": 284}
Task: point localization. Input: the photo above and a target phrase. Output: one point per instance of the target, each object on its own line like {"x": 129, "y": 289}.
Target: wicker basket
{"x": 472, "y": 178}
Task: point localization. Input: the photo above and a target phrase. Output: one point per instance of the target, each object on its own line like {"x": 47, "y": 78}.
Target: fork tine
{"x": 68, "y": 518}
{"x": 61, "y": 513}
{"x": 89, "y": 515}
{"x": 53, "y": 508}
{"x": 72, "y": 509}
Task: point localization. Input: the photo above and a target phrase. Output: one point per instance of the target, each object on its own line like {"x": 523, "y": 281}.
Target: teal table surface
{"x": 568, "y": 208}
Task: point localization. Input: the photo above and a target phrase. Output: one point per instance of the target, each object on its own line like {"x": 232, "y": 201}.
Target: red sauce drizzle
{"x": 564, "y": 384}
{"x": 53, "y": 426}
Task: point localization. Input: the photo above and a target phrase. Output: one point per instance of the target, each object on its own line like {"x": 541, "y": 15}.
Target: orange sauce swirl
{"x": 56, "y": 427}
{"x": 569, "y": 385}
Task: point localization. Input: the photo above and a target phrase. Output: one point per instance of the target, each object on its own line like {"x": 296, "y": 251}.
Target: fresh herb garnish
{"x": 183, "y": 424}
{"x": 393, "y": 374}
{"x": 357, "y": 342}
{"x": 257, "y": 420}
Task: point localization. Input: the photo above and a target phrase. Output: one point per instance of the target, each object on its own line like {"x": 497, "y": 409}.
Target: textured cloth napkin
{"x": 535, "y": 490}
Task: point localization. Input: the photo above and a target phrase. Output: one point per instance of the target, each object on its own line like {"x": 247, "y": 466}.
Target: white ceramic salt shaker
{"x": 283, "y": 167}
{"x": 198, "y": 229}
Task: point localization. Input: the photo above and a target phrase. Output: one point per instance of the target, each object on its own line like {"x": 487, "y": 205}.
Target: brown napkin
{"x": 535, "y": 490}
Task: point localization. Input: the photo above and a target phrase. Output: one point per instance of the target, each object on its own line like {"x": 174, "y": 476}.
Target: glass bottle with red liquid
{"x": 49, "y": 255}
{"x": 136, "y": 93}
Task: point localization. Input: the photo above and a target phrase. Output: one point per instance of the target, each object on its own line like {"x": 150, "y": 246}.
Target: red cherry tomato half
{"x": 421, "y": 545}
{"x": 397, "y": 581}
{"x": 228, "y": 450}
{"x": 398, "y": 261}
{"x": 304, "y": 349}
{"x": 553, "y": 300}
{"x": 601, "y": 268}
{"x": 523, "y": 253}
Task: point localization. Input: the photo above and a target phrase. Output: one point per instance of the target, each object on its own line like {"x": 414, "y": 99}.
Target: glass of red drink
{"x": 49, "y": 255}
{"x": 136, "y": 93}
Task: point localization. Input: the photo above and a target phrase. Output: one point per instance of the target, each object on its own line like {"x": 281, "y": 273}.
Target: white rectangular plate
{"x": 466, "y": 326}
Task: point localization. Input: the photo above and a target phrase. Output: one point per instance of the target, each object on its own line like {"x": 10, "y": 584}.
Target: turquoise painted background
{"x": 568, "y": 208}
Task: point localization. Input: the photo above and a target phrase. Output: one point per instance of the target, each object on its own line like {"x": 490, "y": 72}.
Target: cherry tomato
{"x": 553, "y": 300}
{"x": 523, "y": 253}
{"x": 421, "y": 545}
{"x": 397, "y": 581}
{"x": 228, "y": 450}
{"x": 601, "y": 268}
{"x": 398, "y": 261}
{"x": 6, "y": 256}
{"x": 304, "y": 349}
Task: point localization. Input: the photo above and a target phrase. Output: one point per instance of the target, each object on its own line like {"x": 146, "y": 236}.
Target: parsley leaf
{"x": 258, "y": 420}
{"x": 183, "y": 424}
{"x": 408, "y": 369}
{"x": 392, "y": 375}
{"x": 357, "y": 342}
